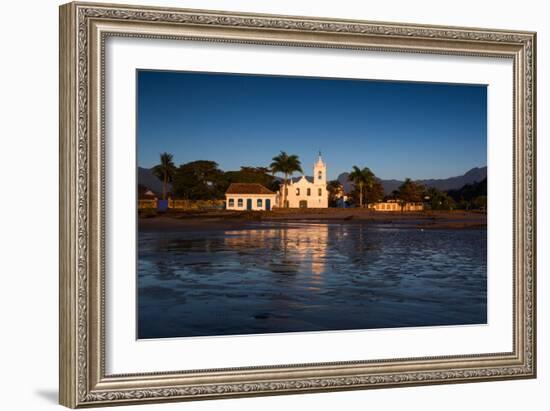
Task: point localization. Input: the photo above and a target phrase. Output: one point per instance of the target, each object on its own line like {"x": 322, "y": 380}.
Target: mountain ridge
{"x": 473, "y": 175}
{"x": 146, "y": 178}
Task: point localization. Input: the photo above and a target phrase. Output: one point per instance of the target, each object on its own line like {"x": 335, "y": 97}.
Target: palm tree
{"x": 361, "y": 178}
{"x": 286, "y": 164}
{"x": 165, "y": 171}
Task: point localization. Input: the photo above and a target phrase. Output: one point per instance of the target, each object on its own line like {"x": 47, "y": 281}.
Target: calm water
{"x": 286, "y": 277}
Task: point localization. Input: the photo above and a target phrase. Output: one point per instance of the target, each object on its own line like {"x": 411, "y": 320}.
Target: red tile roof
{"x": 247, "y": 188}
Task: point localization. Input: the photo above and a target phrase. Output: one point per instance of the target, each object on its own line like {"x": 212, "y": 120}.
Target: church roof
{"x": 296, "y": 179}
{"x": 247, "y": 188}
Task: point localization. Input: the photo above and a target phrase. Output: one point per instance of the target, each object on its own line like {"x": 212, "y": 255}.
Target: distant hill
{"x": 146, "y": 178}
{"x": 474, "y": 175}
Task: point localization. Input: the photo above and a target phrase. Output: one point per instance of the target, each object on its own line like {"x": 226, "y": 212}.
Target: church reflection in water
{"x": 295, "y": 248}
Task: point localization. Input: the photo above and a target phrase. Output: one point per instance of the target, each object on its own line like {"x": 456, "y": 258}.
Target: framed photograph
{"x": 260, "y": 204}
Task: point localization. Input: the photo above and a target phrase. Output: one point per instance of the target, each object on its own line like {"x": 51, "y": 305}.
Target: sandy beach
{"x": 227, "y": 220}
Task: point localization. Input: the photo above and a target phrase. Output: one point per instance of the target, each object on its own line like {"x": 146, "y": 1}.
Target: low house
{"x": 146, "y": 198}
{"x": 249, "y": 196}
{"x": 394, "y": 205}
{"x": 413, "y": 207}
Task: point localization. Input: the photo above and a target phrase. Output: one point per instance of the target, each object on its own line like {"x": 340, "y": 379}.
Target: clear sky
{"x": 397, "y": 129}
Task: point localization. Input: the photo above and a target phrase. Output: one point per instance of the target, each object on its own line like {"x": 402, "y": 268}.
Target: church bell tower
{"x": 320, "y": 172}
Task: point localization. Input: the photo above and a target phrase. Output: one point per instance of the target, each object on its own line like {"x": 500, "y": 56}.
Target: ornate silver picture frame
{"x": 84, "y": 30}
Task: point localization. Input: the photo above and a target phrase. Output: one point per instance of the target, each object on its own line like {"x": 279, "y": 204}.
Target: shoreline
{"x": 234, "y": 220}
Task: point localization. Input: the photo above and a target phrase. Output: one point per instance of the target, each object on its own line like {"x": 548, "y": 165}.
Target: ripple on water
{"x": 284, "y": 277}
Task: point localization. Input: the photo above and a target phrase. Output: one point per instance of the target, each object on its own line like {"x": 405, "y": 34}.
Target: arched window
{"x": 240, "y": 202}
{"x": 309, "y": 191}
{"x": 298, "y": 192}
{"x": 320, "y": 192}
{"x": 231, "y": 202}
{"x": 320, "y": 175}
{"x": 259, "y": 203}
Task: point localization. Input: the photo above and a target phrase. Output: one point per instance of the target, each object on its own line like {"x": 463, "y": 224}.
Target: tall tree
{"x": 410, "y": 192}
{"x": 287, "y": 165}
{"x": 165, "y": 171}
{"x": 335, "y": 192}
{"x": 199, "y": 180}
{"x": 260, "y": 175}
{"x": 362, "y": 178}
{"x": 375, "y": 191}
{"x": 439, "y": 200}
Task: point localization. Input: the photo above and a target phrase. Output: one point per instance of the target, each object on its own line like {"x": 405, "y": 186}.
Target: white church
{"x": 304, "y": 192}
{"x": 307, "y": 192}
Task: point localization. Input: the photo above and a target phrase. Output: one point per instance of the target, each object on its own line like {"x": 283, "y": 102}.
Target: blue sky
{"x": 397, "y": 129}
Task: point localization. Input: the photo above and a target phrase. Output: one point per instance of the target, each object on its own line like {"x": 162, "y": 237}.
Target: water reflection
{"x": 293, "y": 248}
{"x": 270, "y": 277}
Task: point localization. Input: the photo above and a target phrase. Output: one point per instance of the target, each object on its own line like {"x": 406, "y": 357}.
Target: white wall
{"x": 28, "y": 210}
{"x": 254, "y": 198}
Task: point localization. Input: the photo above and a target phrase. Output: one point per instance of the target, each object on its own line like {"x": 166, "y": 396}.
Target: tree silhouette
{"x": 165, "y": 171}
{"x": 362, "y": 178}
{"x": 287, "y": 165}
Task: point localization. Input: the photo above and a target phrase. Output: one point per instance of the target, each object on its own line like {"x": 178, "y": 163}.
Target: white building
{"x": 249, "y": 196}
{"x": 307, "y": 192}
{"x": 394, "y": 205}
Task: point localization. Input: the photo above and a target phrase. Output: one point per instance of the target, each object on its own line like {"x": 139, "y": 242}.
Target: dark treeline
{"x": 471, "y": 196}
{"x": 368, "y": 189}
{"x": 204, "y": 180}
